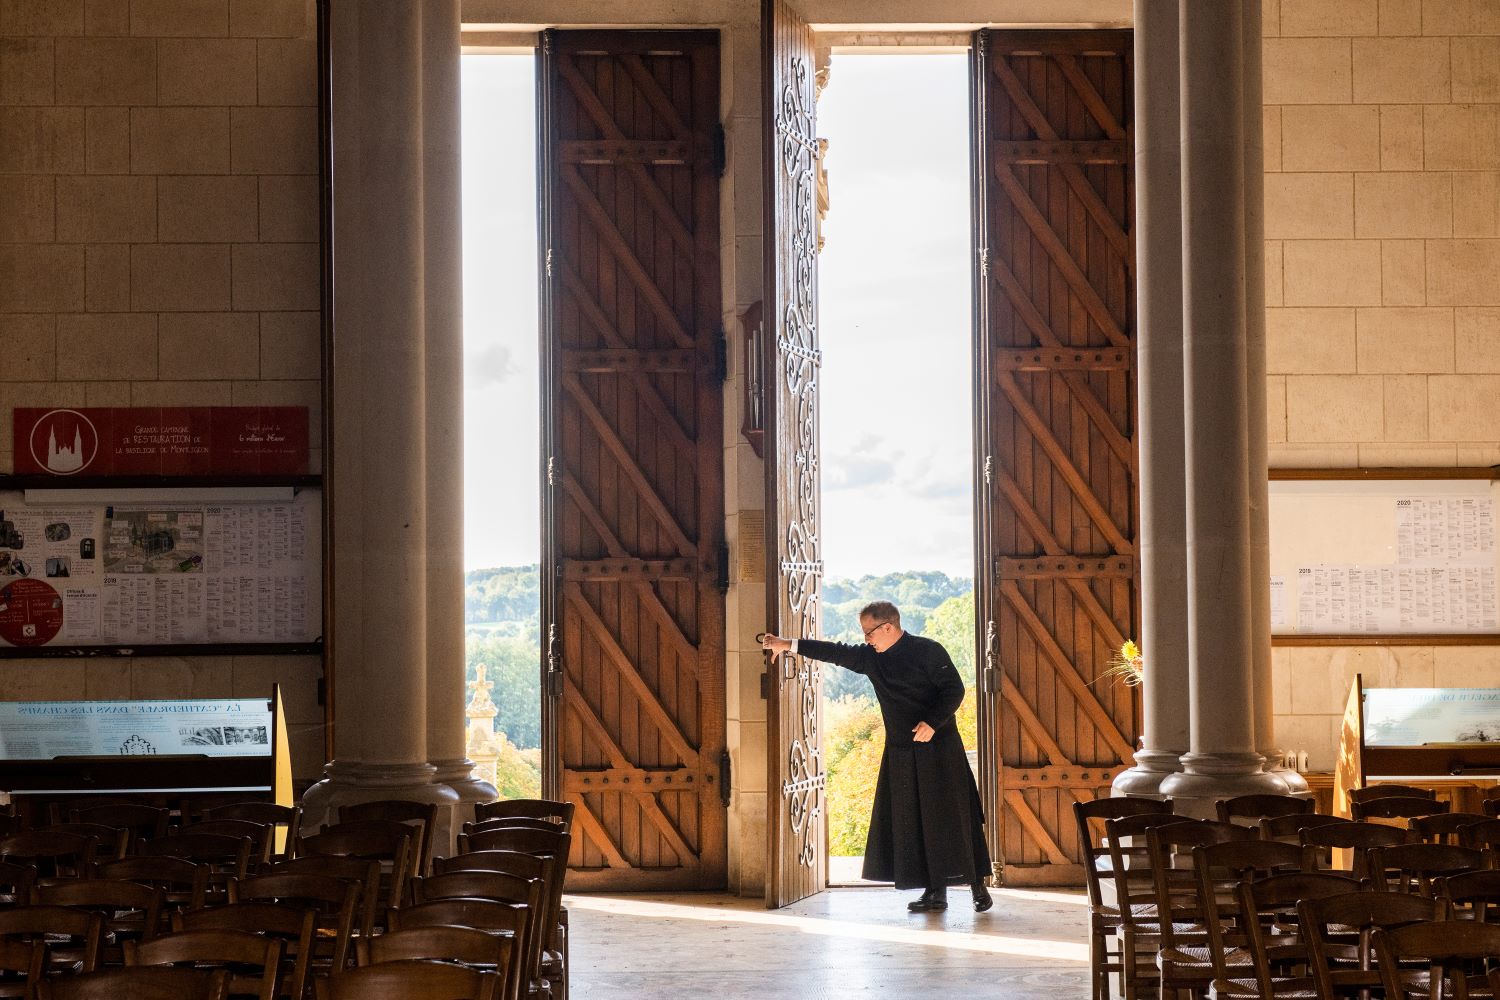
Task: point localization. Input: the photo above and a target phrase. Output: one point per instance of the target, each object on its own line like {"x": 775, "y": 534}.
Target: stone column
{"x": 378, "y": 447}
{"x": 1255, "y": 379}
{"x": 442, "y": 240}
{"x": 1222, "y": 760}
{"x": 1163, "y": 514}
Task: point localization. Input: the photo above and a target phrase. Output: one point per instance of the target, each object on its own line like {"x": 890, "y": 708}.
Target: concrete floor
{"x": 840, "y": 943}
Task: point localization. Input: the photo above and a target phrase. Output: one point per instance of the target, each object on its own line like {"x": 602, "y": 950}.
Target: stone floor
{"x": 841, "y": 943}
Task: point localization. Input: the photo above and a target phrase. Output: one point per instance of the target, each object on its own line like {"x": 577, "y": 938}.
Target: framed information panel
{"x": 164, "y": 569}
{"x": 1386, "y": 558}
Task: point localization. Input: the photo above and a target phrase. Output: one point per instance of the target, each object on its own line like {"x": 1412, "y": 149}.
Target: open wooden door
{"x": 795, "y": 815}
{"x": 633, "y": 515}
{"x": 1056, "y": 398}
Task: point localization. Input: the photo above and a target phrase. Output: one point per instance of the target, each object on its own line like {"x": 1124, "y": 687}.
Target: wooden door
{"x": 797, "y": 865}
{"x": 1055, "y": 331}
{"x": 633, "y": 495}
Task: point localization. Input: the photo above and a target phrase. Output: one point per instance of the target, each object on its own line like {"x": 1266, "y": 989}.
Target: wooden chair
{"x": 1219, "y": 869}
{"x": 252, "y": 962}
{"x": 294, "y": 926}
{"x": 21, "y": 965}
{"x": 409, "y": 980}
{"x": 513, "y": 823}
{"x": 1352, "y": 839}
{"x": 16, "y": 881}
{"x": 1397, "y": 807}
{"x": 1370, "y": 792}
{"x": 1450, "y": 949}
{"x": 262, "y": 836}
{"x": 184, "y": 883}
{"x": 1336, "y": 931}
{"x": 1257, "y": 807}
{"x": 1270, "y": 905}
{"x": 1471, "y": 895}
{"x": 465, "y": 945}
{"x": 506, "y": 888}
{"x": 385, "y": 841}
{"x": 74, "y": 938}
{"x": 138, "y": 984}
{"x": 226, "y": 857}
{"x": 1412, "y": 867}
{"x": 332, "y": 900}
{"x": 139, "y": 821}
{"x": 60, "y": 855}
{"x": 1485, "y": 835}
{"x": 561, "y": 812}
{"x": 364, "y": 874}
{"x": 553, "y": 847}
{"x": 1288, "y": 828}
{"x": 420, "y": 815}
{"x": 286, "y": 819}
{"x": 1139, "y": 932}
{"x": 131, "y": 911}
{"x": 1443, "y": 828}
{"x": 1184, "y": 960}
{"x": 505, "y": 920}
{"x": 510, "y": 862}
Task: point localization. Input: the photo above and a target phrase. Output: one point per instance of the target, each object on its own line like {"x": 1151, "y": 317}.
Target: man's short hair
{"x": 881, "y": 611}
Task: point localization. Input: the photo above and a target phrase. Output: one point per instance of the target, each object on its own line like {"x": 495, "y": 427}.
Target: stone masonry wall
{"x": 1382, "y": 127}
{"x": 159, "y": 247}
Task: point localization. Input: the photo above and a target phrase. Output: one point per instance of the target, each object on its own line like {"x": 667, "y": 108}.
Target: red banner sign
{"x": 162, "y": 441}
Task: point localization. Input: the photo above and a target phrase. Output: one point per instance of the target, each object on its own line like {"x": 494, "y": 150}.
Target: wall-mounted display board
{"x": 1385, "y": 559}
{"x": 160, "y": 568}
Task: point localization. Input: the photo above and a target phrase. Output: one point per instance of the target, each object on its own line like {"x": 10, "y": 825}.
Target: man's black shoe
{"x": 928, "y": 902}
{"x": 982, "y": 899}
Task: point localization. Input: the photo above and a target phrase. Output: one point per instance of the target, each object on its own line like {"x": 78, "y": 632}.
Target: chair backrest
{"x": 1129, "y": 860}
{"x": 235, "y": 951}
{"x": 184, "y": 882}
{"x": 1178, "y": 892}
{"x": 551, "y": 809}
{"x": 512, "y": 862}
{"x": 544, "y": 844}
{"x": 364, "y": 873}
{"x": 334, "y": 901}
{"x": 1363, "y": 912}
{"x": 1397, "y": 807}
{"x": 1387, "y": 791}
{"x": 482, "y": 914}
{"x": 406, "y": 980}
{"x": 83, "y": 929}
{"x": 56, "y": 853}
{"x": 262, "y": 836}
{"x": 1481, "y": 835}
{"x": 1272, "y": 902}
{"x": 1443, "y": 828}
{"x": 1254, "y": 807}
{"x": 16, "y": 881}
{"x": 294, "y": 926}
{"x": 139, "y": 820}
{"x": 420, "y": 815}
{"x": 1475, "y": 895}
{"x": 1089, "y": 818}
{"x": 502, "y": 886}
{"x": 464, "y": 945}
{"x": 286, "y": 818}
{"x": 1356, "y": 838}
{"x": 512, "y": 823}
{"x": 130, "y": 909}
{"x": 1490, "y": 806}
{"x": 226, "y": 856}
{"x": 1288, "y": 828}
{"x": 1412, "y": 867}
{"x": 21, "y": 965}
{"x": 1446, "y": 947}
{"x": 1220, "y": 868}
{"x": 138, "y": 984}
{"x": 387, "y": 841}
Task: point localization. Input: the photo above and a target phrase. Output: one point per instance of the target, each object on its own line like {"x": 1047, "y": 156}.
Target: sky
{"x": 894, "y": 314}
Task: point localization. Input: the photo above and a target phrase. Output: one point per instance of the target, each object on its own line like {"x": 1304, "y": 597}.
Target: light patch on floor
{"x": 841, "y": 943}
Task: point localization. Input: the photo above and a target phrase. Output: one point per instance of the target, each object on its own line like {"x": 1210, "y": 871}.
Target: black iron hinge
{"x": 721, "y": 150}
{"x": 723, "y": 580}
{"x": 721, "y": 357}
{"x": 724, "y": 775}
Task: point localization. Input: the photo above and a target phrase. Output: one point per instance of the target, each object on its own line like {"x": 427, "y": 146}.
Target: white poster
{"x": 42, "y": 730}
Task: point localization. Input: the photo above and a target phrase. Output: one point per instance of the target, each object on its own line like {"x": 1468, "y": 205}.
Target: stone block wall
{"x": 1382, "y": 127}
{"x": 159, "y": 247}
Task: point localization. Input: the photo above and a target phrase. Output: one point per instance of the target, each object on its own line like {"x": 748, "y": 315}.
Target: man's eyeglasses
{"x": 871, "y": 631}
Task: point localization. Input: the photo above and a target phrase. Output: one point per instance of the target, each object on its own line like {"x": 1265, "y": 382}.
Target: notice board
{"x": 1384, "y": 557}
{"x": 165, "y": 570}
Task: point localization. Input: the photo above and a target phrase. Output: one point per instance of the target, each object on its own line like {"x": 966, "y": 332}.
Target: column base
{"x": 1143, "y": 781}
{"x": 459, "y": 775}
{"x": 1207, "y": 777}
{"x": 1295, "y": 783}
{"x": 347, "y": 783}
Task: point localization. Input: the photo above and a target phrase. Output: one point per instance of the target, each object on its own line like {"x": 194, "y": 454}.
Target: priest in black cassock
{"x": 926, "y": 825}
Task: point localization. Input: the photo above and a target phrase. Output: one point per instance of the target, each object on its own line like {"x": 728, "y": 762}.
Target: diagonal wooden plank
{"x": 1029, "y": 721}
{"x": 1089, "y": 95}
{"x": 647, "y": 186}
{"x": 1021, "y": 505}
{"x": 1111, "y": 228}
{"x": 1075, "y": 381}
{"x": 1067, "y": 672}
{"x": 647, "y": 492}
{"x": 1078, "y": 282}
{"x": 1034, "y": 827}
{"x": 574, "y": 699}
{"x": 584, "y": 299}
{"x": 1063, "y": 463}
{"x": 665, "y": 423}
{"x": 686, "y": 856}
{"x": 687, "y": 651}
{"x": 595, "y": 831}
{"x": 651, "y": 90}
{"x": 609, "y": 234}
{"x": 585, "y": 506}
{"x": 650, "y": 703}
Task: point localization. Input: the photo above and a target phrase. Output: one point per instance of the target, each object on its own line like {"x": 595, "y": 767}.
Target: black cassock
{"x": 926, "y": 826}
